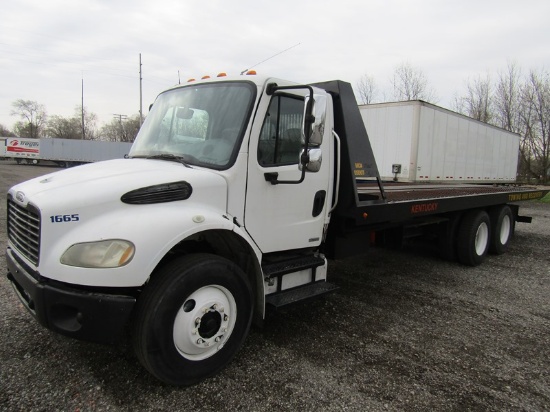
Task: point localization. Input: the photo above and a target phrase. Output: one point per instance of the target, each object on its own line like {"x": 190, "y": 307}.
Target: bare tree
{"x": 410, "y": 83}
{"x": 478, "y": 101}
{"x": 535, "y": 115}
{"x": 64, "y": 128}
{"x": 5, "y": 132}
{"x": 507, "y": 99}
{"x": 32, "y": 115}
{"x": 367, "y": 89}
{"x": 507, "y": 107}
{"x": 119, "y": 130}
{"x": 90, "y": 123}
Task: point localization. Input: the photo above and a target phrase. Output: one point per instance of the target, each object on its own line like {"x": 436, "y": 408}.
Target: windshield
{"x": 200, "y": 125}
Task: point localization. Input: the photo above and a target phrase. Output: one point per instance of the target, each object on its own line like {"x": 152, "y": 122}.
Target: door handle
{"x": 318, "y": 202}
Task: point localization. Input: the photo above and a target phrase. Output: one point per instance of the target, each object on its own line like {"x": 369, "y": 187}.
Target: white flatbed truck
{"x": 235, "y": 193}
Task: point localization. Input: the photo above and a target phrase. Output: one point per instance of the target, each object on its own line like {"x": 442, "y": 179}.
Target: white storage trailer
{"x": 415, "y": 141}
{"x": 82, "y": 151}
{"x": 64, "y": 152}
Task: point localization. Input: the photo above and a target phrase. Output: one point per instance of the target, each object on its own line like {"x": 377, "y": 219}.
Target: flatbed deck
{"x": 406, "y": 192}
{"x": 403, "y": 202}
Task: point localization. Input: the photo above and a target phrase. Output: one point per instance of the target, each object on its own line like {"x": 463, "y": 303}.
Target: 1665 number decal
{"x": 65, "y": 218}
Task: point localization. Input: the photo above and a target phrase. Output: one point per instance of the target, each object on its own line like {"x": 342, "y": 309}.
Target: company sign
{"x": 20, "y": 147}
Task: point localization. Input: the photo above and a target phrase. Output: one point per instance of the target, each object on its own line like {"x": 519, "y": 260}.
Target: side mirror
{"x": 317, "y": 126}
{"x": 315, "y": 159}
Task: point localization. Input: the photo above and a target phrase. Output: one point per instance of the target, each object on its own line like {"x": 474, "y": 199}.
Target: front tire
{"x": 192, "y": 318}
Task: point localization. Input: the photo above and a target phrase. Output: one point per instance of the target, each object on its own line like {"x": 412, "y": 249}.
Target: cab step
{"x": 283, "y": 267}
{"x": 298, "y": 294}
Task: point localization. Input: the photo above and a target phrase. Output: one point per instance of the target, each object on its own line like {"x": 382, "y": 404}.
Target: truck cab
{"x": 221, "y": 207}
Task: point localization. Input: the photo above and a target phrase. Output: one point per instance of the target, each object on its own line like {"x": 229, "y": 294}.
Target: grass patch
{"x": 546, "y": 199}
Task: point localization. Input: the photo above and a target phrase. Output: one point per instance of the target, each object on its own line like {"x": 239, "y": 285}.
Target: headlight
{"x": 102, "y": 254}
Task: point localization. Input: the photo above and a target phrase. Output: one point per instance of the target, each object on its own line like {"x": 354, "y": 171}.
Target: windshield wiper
{"x": 168, "y": 156}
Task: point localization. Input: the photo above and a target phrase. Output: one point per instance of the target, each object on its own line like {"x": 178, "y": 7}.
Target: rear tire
{"x": 446, "y": 239}
{"x": 192, "y": 318}
{"x": 473, "y": 238}
{"x": 502, "y": 229}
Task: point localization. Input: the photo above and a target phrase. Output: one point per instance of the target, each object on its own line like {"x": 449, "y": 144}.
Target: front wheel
{"x": 192, "y": 318}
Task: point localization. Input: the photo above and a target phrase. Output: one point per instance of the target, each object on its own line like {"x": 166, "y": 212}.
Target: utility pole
{"x": 140, "y": 94}
{"x": 120, "y": 118}
{"x": 82, "y": 107}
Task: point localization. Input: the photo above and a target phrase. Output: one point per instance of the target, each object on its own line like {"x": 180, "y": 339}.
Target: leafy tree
{"x": 33, "y": 118}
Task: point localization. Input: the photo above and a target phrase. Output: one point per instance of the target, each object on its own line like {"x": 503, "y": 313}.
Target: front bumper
{"x": 76, "y": 312}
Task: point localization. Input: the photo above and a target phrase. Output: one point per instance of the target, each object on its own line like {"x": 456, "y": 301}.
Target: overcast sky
{"x": 48, "y": 47}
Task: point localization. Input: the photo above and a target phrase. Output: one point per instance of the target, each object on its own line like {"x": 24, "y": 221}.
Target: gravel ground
{"x": 405, "y": 332}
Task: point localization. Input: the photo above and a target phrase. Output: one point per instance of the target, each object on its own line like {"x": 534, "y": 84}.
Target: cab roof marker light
{"x": 222, "y": 74}
{"x": 251, "y": 73}
{"x": 190, "y": 80}
{"x": 205, "y": 77}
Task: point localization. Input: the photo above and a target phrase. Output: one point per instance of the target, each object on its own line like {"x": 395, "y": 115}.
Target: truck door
{"x": 284, "y": 216}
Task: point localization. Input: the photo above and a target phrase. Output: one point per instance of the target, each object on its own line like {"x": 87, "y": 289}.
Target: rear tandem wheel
{"x": 473, "y": 237}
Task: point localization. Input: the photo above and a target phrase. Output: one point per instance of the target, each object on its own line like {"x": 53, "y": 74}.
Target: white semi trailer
{"x": 415, "y": 141}
{"x": 63, "y": 152}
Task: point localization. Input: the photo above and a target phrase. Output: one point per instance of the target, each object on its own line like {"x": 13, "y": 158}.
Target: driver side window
{"x": 281, "y": 136}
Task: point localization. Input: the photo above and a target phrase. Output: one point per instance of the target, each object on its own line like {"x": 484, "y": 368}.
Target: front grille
{"x": 24, "y": 230}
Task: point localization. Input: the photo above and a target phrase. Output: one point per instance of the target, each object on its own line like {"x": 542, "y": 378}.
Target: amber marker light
{"x": 251, "y": 72}
{"x": 190, "y": 80}
{"x": 222, "y": 74}
{"x": 205, "y": 77}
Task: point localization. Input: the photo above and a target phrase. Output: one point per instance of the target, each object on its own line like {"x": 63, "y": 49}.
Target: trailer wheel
{"x": 446, "y": 239}
{"x": 473, "y": 238}
{"x": 502, "y": 229}
{"x": 192, "y": 318}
